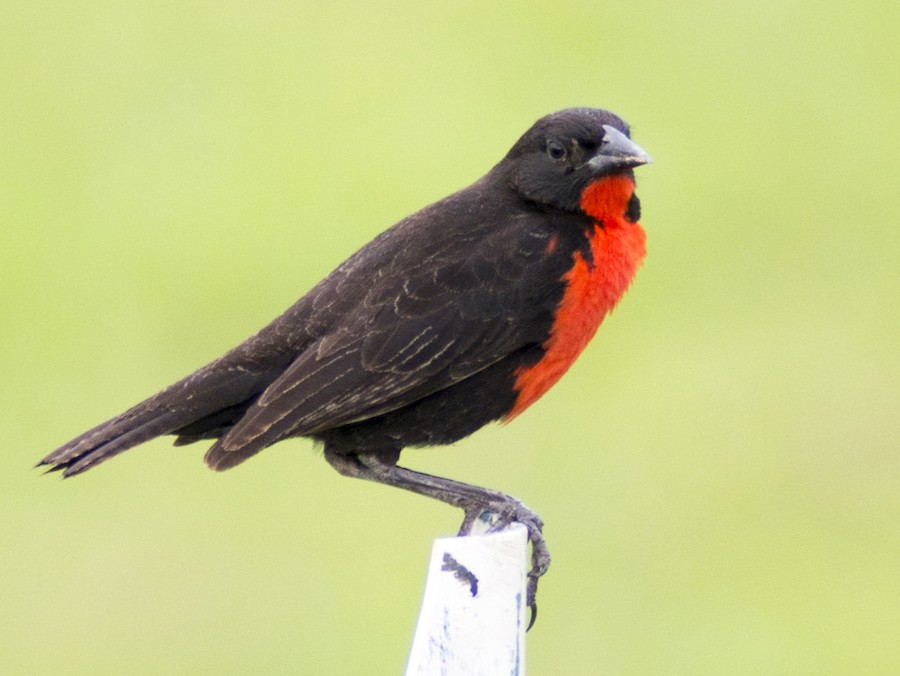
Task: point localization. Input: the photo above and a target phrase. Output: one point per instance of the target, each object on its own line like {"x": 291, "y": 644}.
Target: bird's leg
{"x": 473, "y": 500}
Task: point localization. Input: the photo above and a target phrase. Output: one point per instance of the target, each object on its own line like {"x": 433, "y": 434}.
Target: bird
{"x": 462, "y": 314}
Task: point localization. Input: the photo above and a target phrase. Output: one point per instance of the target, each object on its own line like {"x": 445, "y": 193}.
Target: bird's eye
{"x": 556, "y": 150}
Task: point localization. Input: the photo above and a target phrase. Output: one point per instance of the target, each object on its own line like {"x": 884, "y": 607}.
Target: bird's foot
{"x": 499, "y": 515}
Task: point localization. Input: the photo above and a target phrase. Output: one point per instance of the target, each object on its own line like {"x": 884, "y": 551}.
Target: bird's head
{"x": 565, "y": 152}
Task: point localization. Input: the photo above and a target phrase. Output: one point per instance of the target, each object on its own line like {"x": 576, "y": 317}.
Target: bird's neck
{"x": 607, "y": 199}
{"x": 617, "y": 242}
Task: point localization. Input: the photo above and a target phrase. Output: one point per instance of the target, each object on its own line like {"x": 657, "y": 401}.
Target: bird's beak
{"x": 617, "y": 151}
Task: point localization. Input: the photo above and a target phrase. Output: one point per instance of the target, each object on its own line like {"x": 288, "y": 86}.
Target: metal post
{"x": 473, "y": 615}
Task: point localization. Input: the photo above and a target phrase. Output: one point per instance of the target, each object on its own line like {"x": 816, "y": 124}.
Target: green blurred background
{"x": 720, "y": 473}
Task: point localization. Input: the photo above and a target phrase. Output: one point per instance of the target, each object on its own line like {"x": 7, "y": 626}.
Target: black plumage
{"x": 414, "y": 340}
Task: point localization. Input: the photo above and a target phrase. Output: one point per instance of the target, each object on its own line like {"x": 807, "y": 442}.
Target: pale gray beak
{"x": 616, "y": 151}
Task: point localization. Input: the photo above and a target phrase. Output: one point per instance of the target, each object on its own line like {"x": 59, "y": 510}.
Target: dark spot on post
{"x": 460, "y": 572}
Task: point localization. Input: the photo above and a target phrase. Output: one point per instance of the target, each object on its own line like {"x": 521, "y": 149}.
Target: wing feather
{"x": 421, "y": 328}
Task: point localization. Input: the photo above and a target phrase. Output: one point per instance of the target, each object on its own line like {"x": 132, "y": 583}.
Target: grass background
{"x": 719, "y": 474}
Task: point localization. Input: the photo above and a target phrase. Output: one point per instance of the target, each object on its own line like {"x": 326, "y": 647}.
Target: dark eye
{"x": 556, "y": 150}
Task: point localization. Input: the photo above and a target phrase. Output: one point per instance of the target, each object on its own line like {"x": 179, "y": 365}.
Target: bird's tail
{"x": 201, "y": 406}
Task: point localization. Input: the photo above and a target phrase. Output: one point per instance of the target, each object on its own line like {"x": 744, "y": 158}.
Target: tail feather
{"x": 110, "y": 439}
{"x": 201, "y": 405}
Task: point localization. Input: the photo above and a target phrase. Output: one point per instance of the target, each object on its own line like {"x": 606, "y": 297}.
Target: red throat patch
{"x": 592, "y": 291}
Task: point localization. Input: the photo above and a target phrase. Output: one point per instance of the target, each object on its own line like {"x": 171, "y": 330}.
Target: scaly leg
{"x": 473, "y": 500}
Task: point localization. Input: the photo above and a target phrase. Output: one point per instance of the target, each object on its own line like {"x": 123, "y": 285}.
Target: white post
{"x": 473, "y": 615}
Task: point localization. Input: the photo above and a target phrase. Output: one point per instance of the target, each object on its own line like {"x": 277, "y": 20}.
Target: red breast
{"x": 592, "y": 288}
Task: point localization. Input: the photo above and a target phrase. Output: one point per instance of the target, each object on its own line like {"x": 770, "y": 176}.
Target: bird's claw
{"x": 498, "y": 517}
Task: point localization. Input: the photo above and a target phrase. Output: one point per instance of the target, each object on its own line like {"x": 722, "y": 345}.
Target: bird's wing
{"x": 422, "y": 325}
